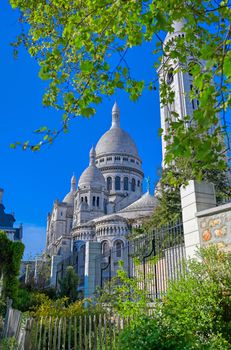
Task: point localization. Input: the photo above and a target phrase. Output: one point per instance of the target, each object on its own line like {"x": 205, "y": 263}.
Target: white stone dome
{"x": 69, "y": 198}
{"x": 116, "y": 140}
{"x": 92, "y": 176}
{"x": 146, "y": 202}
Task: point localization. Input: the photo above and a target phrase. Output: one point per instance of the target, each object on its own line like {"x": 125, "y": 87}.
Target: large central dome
{"x": 116, "y": 140}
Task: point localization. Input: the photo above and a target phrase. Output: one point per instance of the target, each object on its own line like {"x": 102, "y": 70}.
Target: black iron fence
{"x": 155, "y": 258}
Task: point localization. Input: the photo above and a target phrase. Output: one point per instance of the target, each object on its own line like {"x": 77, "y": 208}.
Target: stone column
{"x": 55, "y": 260}
{"x": 195, "y": 197}
{"x": 92, "y": 252}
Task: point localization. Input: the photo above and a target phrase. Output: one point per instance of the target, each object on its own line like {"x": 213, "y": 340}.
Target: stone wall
{"x": 204, "y": 222}
{"x": 215, "y": 226}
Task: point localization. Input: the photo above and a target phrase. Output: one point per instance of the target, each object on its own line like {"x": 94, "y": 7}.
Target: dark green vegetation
{"x": 81, "y": 48}
{"x": 10, "y": 259}
{"x": 194, "y": 314}
{"x": 69, "y": 284}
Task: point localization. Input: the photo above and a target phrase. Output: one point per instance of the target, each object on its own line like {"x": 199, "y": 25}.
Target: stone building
{"x": 7, "y": 222}
{"x": 108, "y": 200}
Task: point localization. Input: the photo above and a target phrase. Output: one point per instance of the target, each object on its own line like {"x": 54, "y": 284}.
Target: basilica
{"x": 95, "y": 218}
{"x": 108, "y": 199}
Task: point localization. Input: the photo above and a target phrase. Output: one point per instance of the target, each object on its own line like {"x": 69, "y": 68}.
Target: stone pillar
{"x": 195, "y": 197}
{"x": 92, "y": 268}
{"x": 55, "y": 260}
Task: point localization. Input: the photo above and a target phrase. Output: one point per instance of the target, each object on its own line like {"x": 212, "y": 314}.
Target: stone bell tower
{"x": 179, "y": 81}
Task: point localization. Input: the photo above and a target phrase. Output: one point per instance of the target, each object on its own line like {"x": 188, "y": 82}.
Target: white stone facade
{"x": 180, "y": 82}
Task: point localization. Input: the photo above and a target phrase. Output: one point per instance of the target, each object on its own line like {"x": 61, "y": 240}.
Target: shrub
{"x": 195, "y": 313}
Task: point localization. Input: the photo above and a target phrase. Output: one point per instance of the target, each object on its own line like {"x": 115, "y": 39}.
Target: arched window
{"x": 86, "y": 199}
{"x": 117, "y": 183}
{"x": 97, "y": 202}
{"x": 138, "y": 183}
{"x": 118, "y": 249}
{"x": 93, "y": 201}
{"x": 105, "y": 247}
{"x": 170, "y": 76}
{"x": 109, "y": 183}
{"x": 133, "y": 185}
{"x": 126, "y": 184}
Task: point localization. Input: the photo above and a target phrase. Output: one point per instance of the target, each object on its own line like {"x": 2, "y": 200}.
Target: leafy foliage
{"x": 68, "y": 284}
{"x": 194, "y": 314}
{"x": 124, "y": 295}
{"x": 81, "y": 48}
{"x": 10, "y": 259}
{"x": 62, "y": 307}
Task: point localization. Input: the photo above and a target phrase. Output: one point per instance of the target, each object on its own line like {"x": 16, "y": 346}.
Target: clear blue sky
{"x": 32, "y": 181}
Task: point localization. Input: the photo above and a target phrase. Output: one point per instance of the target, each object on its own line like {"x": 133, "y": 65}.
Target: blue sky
{"x": 32, "y": 181}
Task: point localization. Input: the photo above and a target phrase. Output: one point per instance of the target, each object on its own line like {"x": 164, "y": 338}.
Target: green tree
{"x": 81, "y": 48}
{"x": 68, "y": 284}
{"x": 10, "y": 259}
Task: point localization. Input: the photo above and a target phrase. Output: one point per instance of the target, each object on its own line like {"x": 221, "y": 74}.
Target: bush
{"x": 195, "y": 313}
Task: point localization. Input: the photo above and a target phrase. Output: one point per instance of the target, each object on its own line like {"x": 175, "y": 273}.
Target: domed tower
{"x": 91, "y": 196}
{"x": 118, "y": 160}
{"x": 69, "y": 198}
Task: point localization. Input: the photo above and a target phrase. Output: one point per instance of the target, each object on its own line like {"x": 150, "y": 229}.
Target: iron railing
{"x": 154, "y": 258}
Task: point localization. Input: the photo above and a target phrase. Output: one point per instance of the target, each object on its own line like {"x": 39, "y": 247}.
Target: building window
{"x": 138, "y": 183}
{"x": 117, "y": 158}
{"x": 109, "y": 183}
{"x": 101, "y": 160}
{"x": 170, "y": 77}
{"x": 97, "y": 202}
{"x": 133, "y": 185}
{"x": 81, "y": 199}
{"x": 93, "y": 201}
{"x": 118, "y": 248}
{"x": 125, "y": 159}
{"x": 117, "y": 183}
{"x": 132, "y": 160}
{"x": 105, "y": 247}
{"x": 126, "y": 184}
{"x": 86, "y": 199}
{"x": 109, "y": 158}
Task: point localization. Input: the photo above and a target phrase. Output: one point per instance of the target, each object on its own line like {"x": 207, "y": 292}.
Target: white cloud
{"x": 34, "y": 238}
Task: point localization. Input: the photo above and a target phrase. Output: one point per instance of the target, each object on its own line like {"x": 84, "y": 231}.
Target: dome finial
{"x": 92, "y": 156}
{"x": 115, "y": 116}
{"x": 73, "y": 183}
{"x": 148, "y": 181}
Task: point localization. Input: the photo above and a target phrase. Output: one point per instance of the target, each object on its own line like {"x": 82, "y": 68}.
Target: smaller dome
{"x": 69, "y": 198}
{"x": 146, "y": 202}
{"x": 92, "y": 176}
